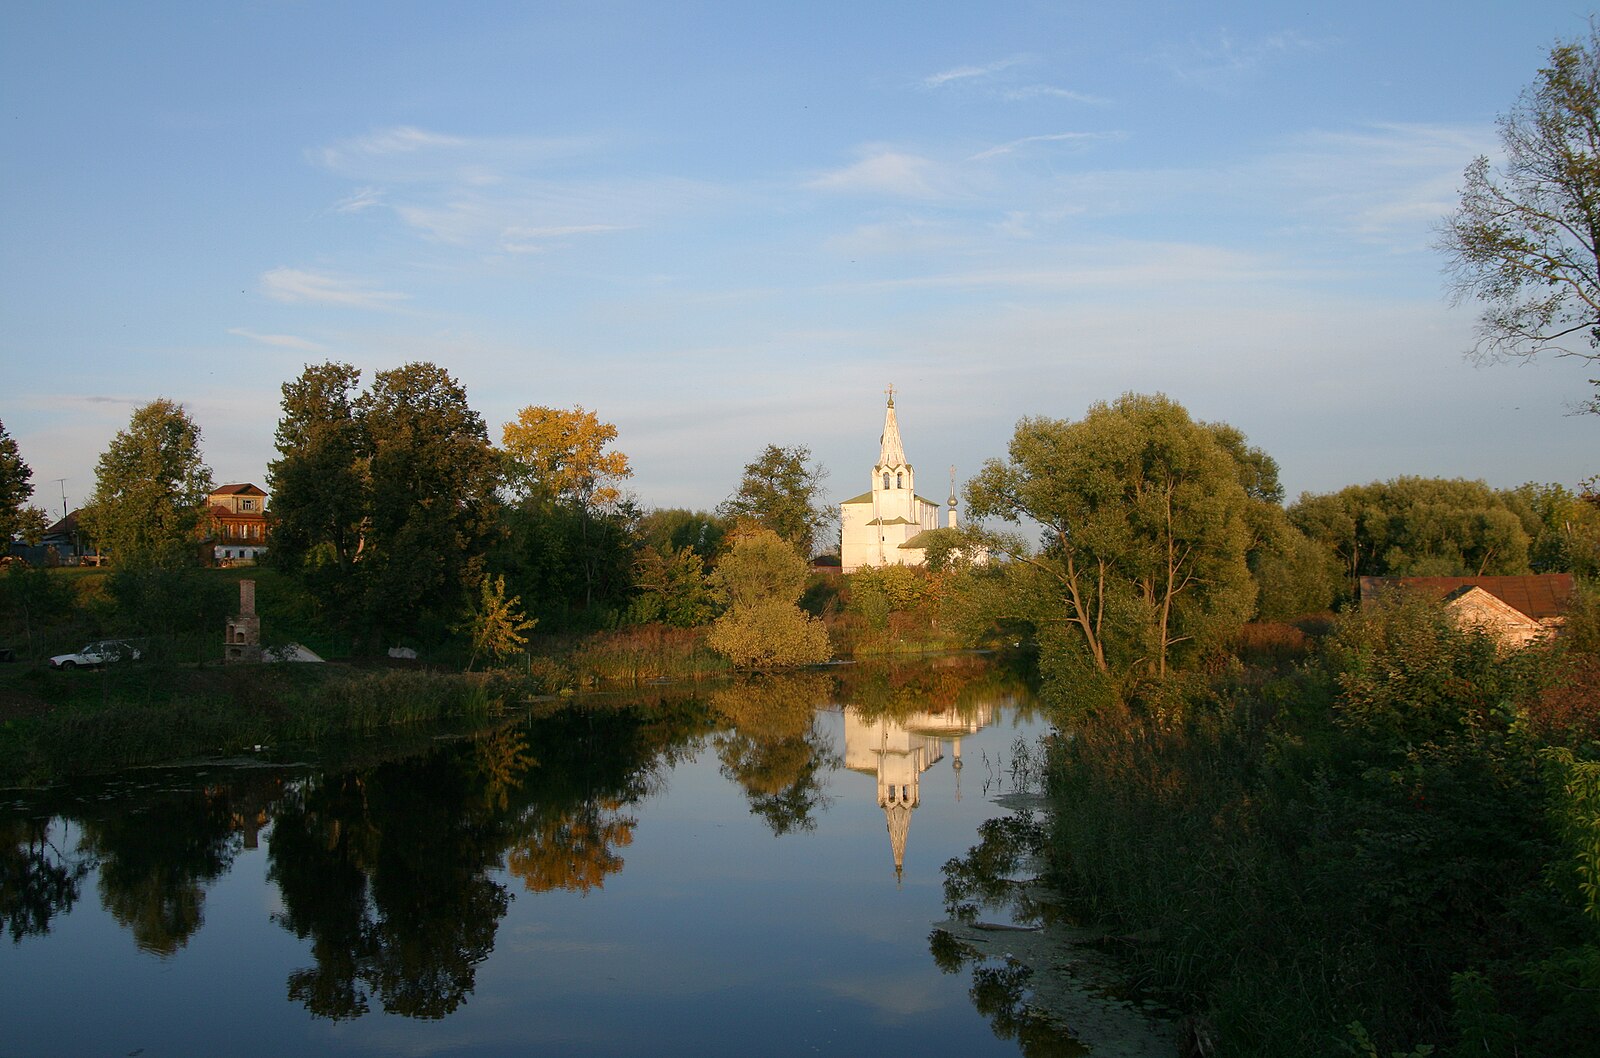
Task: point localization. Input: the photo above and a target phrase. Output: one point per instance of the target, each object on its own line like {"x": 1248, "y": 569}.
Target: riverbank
{"x": 57, "y": 724}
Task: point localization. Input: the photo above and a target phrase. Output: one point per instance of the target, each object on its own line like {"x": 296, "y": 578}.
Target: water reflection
{"x": 397, "y": 869}
{"x": 38, "y": 881}
{"x": 775, "y": 749}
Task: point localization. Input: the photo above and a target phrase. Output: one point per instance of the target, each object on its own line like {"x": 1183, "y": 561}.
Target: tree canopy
{"x": 562, "y": 455}
{"x": 1526, "y": 237}
{"x": 1144, "y": 530}
{"x": 151, "y": 487}
{"x": 16, "y": 485}
{"x": 1416, "y": 527}
{"x": 782, "y": 490}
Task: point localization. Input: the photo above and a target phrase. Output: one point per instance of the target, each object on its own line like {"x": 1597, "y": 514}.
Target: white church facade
{"x": 885, "y": 525}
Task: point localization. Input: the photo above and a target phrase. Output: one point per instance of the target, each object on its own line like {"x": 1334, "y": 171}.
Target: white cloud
{"x": 298, "y": 286}
{"x": 967, "y": 73}
{"x": 360, "y": 199}
{"x": 405, "y": 153}
{"x": 537, "y": 240}
{"x": 282, "y": 341}
{"x": 1047, "y": 91}
{"x": 883, "y": 171}
{"x": 1054, "y": 137}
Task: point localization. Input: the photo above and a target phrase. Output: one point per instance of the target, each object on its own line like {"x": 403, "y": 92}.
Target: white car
{"x": 102, "y": 653}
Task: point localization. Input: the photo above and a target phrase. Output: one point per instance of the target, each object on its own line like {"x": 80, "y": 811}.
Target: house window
{"x": 247, "y": 505}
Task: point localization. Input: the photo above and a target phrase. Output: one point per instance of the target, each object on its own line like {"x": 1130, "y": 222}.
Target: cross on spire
{"x": 890, "y": 391}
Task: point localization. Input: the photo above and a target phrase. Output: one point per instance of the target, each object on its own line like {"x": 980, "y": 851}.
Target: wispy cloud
{"x": 1221, "y": 60}
{"x": 360, "y": 199}
{"x": 406, "y": 153}
{"x": 537, "y": 240}
{"x": 298, "y": 286}
{"x": 883, "y": 171}
{"x": 1049, "y": 91}
{"x": 281, "y": 341}
{"x": 968, "y": 73}
{"x": 1052, "y": 137}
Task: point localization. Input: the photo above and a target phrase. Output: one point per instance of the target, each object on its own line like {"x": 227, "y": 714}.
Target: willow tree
{"x": 1142, "y": 509}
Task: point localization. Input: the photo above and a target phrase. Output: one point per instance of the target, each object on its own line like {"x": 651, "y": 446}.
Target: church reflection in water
{"x": 897, "y": 750}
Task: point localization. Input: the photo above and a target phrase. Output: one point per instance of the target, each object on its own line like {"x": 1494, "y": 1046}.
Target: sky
{"x": 726, "y": 225}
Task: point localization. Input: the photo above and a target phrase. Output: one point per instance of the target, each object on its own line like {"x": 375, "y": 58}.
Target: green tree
{"x": 16, "y": 485}
{"x": 1416, "y": 527}
{"x": 150, "y": 489}
{"x": 672, "y": 587}
{"x": 432, "y": 477}
{"x": 1563, "y": 528}
{"x": 1145, "y": 534}
{"x": 782, "y": 490}
{"x": 760, "y": 579}
{"x": 1526, "y": 237}
{"x": 318, "y": 482}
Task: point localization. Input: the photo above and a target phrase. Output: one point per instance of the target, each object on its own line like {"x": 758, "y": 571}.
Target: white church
{"x": 886, "y": 526}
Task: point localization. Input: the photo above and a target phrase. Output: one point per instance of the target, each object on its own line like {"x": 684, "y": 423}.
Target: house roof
{"x": 1539, "y": 595}
{"x": 241, "y": 489}
{"x": 222, "y": 514}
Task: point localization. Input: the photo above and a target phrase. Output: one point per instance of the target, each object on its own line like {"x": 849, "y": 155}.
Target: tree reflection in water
{"x": 775, "y": 750}
{"x": 37, "y": 881}
{"x": 387, "y": 871}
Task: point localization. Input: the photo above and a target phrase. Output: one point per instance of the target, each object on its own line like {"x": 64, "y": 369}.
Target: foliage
{"x": 759, "y": 567}
{"x": 16, "y": 485}
{"x": 432, "y": 477}
{"x": 1524, "y": 240}
{"x": 1563, "y": 528}
{"x": 573, "y": 547}
{"x": 672, "y": 588}
{"x": 1144, "y": 525}
{"x": 385, "y": 501}
{"x": 320, "y": 492}
{"x": 782, "y": 491}
{"x": 150, "y": 488}
{"x": 497, "y": 622}
{"x": 669, "y": 528}
{"x": 1374, "y": 837}
{"x": 759, "y": 580}
{"x": 561, "y": 454}
{"x": 1415, "y": 527}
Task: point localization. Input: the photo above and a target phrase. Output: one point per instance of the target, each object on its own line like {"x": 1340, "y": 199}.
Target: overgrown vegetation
{"x": 1391, "y": 840}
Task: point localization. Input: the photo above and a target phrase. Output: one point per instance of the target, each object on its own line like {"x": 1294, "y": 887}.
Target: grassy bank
{"x": 57, "y": 724}
{"x": 1381, "y": 845}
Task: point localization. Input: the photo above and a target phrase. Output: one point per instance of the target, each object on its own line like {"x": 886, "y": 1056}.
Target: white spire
{"x": 891, "y": 453}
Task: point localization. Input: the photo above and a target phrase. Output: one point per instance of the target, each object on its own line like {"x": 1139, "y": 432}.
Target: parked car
{"x": 104, "y": 652}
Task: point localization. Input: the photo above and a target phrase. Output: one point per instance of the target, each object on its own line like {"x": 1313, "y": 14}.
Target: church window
{"x": 885, "y": 479}
{"x": 899, "y": 481}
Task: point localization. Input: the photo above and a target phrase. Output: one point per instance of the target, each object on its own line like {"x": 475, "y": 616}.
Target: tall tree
{"x": 432, "y": 477}
{"x": 559, "y": 469}
{"x": 782, "y": 490}
{"x": 1526, "y": 238}
{"x": 16, "y": 485}
{"x": 150, "y": 488}
{"x": 318, "y": 481}
{"x": 1144, "y": 527}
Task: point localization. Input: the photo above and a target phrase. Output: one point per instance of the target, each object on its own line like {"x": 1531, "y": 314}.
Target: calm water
{"x": 752, "y": 870}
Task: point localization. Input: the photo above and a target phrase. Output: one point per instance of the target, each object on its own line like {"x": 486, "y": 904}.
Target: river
{"x": 754, "y": 868}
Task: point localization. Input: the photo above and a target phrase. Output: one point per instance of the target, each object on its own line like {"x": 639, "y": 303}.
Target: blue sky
{"x": 724, "y": 225}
